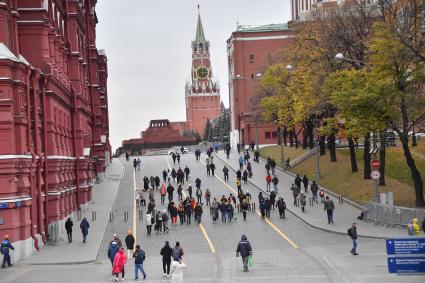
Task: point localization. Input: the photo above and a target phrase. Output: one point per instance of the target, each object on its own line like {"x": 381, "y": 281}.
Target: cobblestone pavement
{"x": 317, "y": 256}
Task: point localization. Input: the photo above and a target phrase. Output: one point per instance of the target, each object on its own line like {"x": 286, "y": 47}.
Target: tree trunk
{"x": 285, "y": 136}
{"x": 305, "y": 138}
{"x": 382, "y": 153}
{"x": 291, "y": 139}
{"x": 295, "y": 137}
{"x": 366, "y": 157}
{"x": 310, "y": 133}
{"x": 331, "y": 147}
{"x": 322, "y": 145}
{"x": 417, "y": 180}
{"x": 352, "y": 155}
{"x": 279, "y": 137}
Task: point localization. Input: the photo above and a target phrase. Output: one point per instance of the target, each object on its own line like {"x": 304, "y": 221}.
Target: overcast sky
{"x": 149, "y": 56}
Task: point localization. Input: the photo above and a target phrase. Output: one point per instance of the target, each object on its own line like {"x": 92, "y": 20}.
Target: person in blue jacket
{"x": 5, "y": 248}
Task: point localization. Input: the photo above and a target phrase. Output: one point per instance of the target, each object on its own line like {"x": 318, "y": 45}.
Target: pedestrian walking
{"x": 268, "y": 182}
{"x": 170, "y": 191}
{"x": 177, "y": 253}
{"x": 322, "y": 195}
{"x": 189, "y": 190}
{"x": 158, "y": 222}
{"x": 295, "y": 192}
{"x": 272, "y": 199}
{"x": 297, "y": 181}
{"x": 352, "y": 232}
{"x": 198, "y": 213}
{"x": 305, "y": 183}
{"x": 275, "y": 181}
{"x": 257, "y": 156}
{"x": 329, "y": 206}
{"x": 208, "y": 197}
{"x": 84, "y": 225}
{"x": 214, "y": 210}
{"x": 226, "y": 173}
{"x": 314, "y": 188}
{"x": 149, "y": 221}
{"x": 281, "y": 206}
{"x": 163, "y": 192}
{"x": 68, "y": 228}
{"x": 273, "y": 166}
{"x": 263, "y": 208}
{"x": 187, "y": 173}
{"x": 164, "y": 175}
{"x": 267, "y": 166}
{"x": 188, "y": 211}
{"x": 303, "y": 202}
{"x": 244, "y": 249}
{"x": 119, "y": 262}
{"x": 165, "y": 217}
{"x": 198, "y": 183}
{"x": 5, "y": 248}
{"x": 249, "y": 169}
{"x": 212, "y": 168}
{"x": 139, "y": 257}
{"x": 166, "y": 253}
{"x": 129, "y": 243}
{"x": 241, "y": 160}
{"x": 238, "y": 185}
{"x": 112, "y": 251}
{"x": 199, "y": 195}
{"x": 157, "y": 182}
{"x": 244, "y": 208}
{"x": 245, "y": 176}
{"x": 180, "y": 211}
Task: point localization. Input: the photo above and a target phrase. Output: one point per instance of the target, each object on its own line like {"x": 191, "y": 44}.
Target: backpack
{"x": 176, "y": 254}
{"x": 349, "y": 232}
{"x": 140, "y": 256}
{"x": 4, "y": 249}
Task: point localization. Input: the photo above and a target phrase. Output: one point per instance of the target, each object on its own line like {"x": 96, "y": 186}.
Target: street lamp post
{"x": 374, "y": 150}
{"x": 317, "y": 146}
{"x": 279, "y": 135}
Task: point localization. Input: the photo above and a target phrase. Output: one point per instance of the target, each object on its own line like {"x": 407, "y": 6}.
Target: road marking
{"x": 134, "y": 205}
{"x": 267, "y": 220}
{"x": 201, "y": 226}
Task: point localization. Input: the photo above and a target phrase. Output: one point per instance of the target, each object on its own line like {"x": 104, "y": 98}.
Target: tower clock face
{"x": 202, "y": 73}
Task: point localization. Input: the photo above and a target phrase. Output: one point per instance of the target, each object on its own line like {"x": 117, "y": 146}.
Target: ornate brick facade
{"x": 54, "y": 135}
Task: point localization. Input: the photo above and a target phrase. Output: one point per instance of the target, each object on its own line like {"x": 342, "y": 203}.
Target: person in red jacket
{"x": 119, "y": 262}
{"x": 268, "y": 181}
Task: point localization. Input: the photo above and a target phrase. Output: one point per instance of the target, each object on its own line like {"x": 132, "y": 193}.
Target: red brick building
{"x": 160, "y": 134}
{"x": 248, "y": 50}
{"x": 54, "y": 136}
{"x": 202, "y": 92}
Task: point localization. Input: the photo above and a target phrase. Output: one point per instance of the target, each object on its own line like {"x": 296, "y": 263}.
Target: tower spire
{"x": 200, "y": 36}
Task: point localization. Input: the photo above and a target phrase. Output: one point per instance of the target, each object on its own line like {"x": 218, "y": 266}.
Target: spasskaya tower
{"x": 202, "y": 92}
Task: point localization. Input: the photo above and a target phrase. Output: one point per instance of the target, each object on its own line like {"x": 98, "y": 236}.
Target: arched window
{"x": 201, "y": 47}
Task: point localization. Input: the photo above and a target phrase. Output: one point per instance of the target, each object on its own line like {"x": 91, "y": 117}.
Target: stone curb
{"x": 299, "y": 217}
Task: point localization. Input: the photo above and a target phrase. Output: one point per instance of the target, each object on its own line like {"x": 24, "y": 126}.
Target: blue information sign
{"x": 406, "y": 264}
{"x": 4, "y": 205}
{"x": 406, "y": 246}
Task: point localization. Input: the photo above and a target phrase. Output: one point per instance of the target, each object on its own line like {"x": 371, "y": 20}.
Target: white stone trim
{"x": 15, "y": 199}
{"x": 263, "y": 37}
{"x": 12, "y": 156}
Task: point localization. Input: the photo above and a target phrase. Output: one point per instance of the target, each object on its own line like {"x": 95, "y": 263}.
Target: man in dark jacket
{"x": 170, "y": 191}
{"x": 352, "y": 232}
{"x": 226, "y": 173}
{"x": 281, "y": 206}
{"x": 245, "y": 250}
{"x": 68, "y": 228}
{"x": 139, "y": 257}
{"x": 5, "y": 248}
{"x": 187, "y": 173}
{"x": 166, "y": 253}
{"x": 84, "y": 225}
{"x": 314, "y": 188}
{"x": 129, "y": 243}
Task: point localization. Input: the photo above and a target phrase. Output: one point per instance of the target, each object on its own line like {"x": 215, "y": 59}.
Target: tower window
{"x": 251, "y": 58}
{"x": 201, "y": 47}
{"x": 252, "y": 76}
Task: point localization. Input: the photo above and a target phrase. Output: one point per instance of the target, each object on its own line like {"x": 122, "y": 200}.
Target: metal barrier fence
{"x": 392, "y": 215}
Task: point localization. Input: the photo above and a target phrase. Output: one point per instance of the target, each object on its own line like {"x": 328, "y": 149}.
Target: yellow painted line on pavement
{"x": 134, "y": 205}
{"x": 267, "y": 220}
{"x": 201, "y": 226}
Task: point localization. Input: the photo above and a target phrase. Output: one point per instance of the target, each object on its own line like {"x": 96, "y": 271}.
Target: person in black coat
{"x": 245, "y": 250}
{"x": 129, "y": 243}
{"x": 166, "y": 253}
{"x": 305, "y": 183}
{"x": 68, "y": 228}
{"x": 84, "y": 225}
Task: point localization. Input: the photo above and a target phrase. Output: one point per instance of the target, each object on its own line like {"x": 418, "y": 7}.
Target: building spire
{"x": 200, "y": 36}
